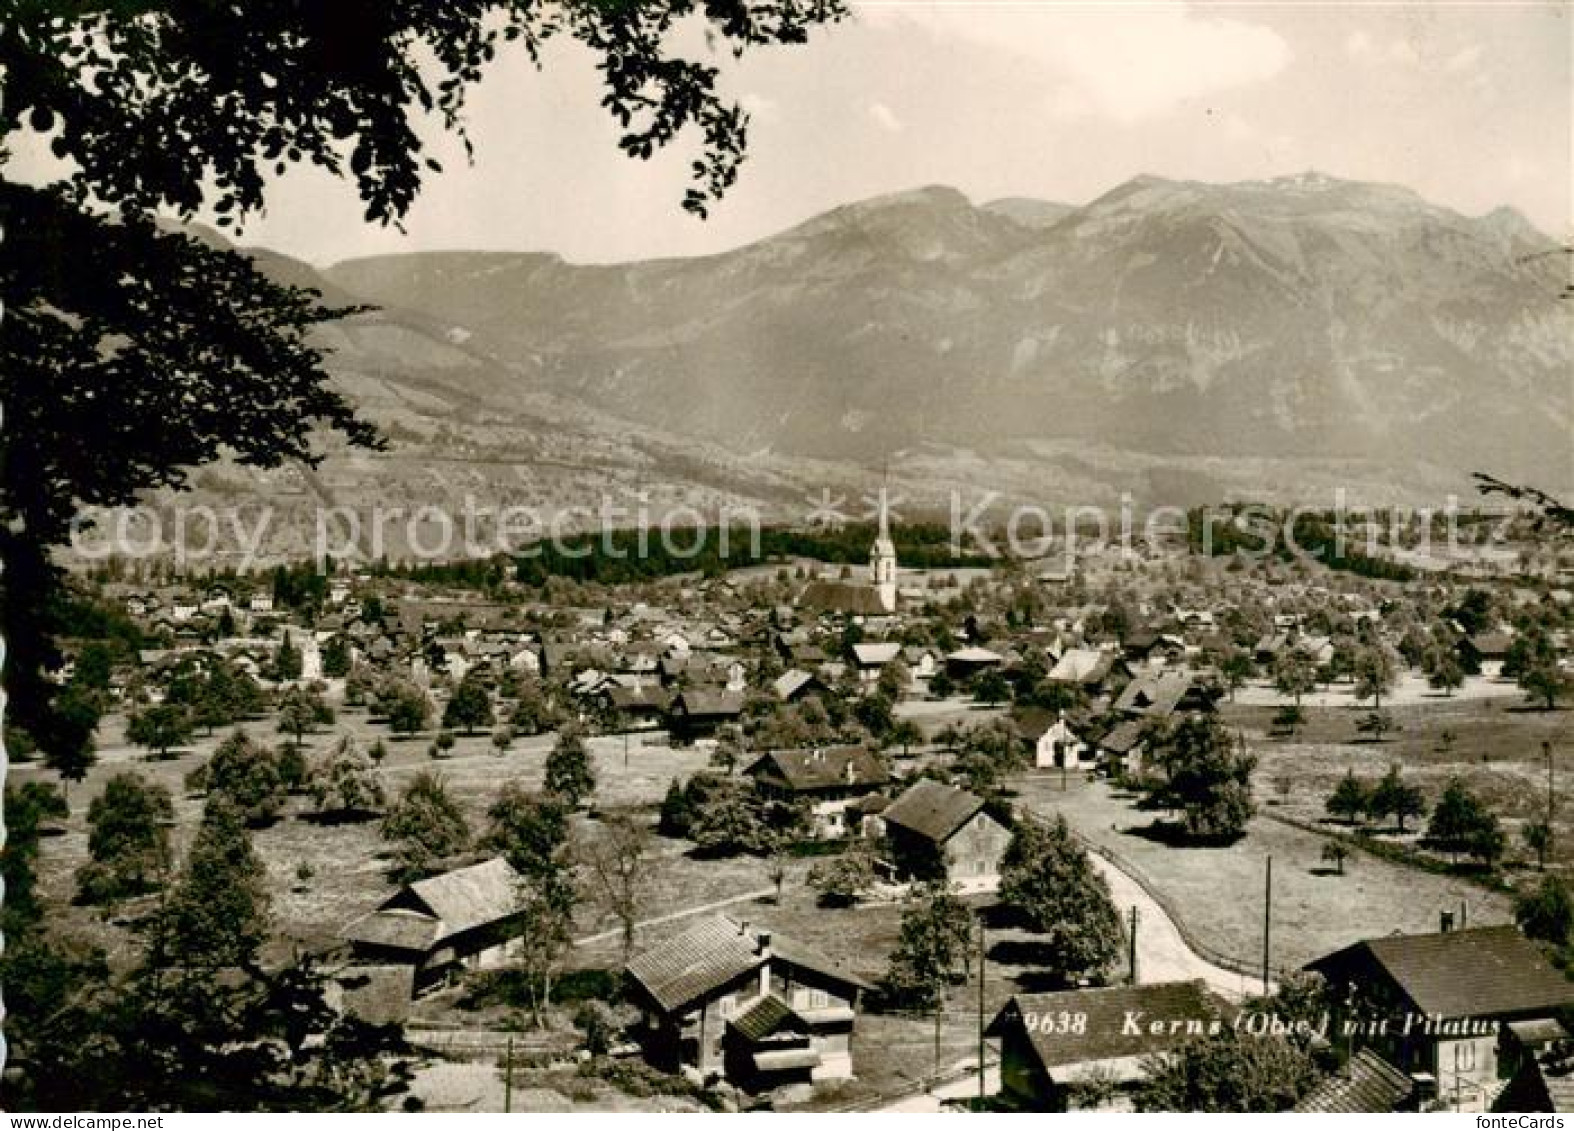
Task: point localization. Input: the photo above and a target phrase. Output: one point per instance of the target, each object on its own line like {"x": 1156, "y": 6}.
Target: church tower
{"x": 882, "y": 562}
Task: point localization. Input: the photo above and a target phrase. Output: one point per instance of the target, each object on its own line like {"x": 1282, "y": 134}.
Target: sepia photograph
{"x": 571, "y": 557}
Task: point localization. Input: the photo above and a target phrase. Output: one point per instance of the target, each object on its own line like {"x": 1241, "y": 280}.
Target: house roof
{"x": 849, "y": 597}
{"x": 879, "y": 652}
{"x": 1155, "y": 693}
{"x": 396, "y": 930}
{"x": 974, "y": 655}
{"x": 1083, "y": 666}
{"x": 1123, "y": 738}
{"x": 1106, "y": 1035}
{"x": 715, "y": 951}
{"x": 832, "y": 767}
{"x": 633, "y": 698}
{"x": 709, "y": 954}
{"x": 1367, "y": 1084}
{"x": 1492, "y": 644}
{"x": 767, "y": 1016}
{"x": 933, "y": 809}
{"x": 1482, "y": 972}
{"x": 422, "y": 914}
{"x": 706, "y": 702}
{"x": 789, "y": 683}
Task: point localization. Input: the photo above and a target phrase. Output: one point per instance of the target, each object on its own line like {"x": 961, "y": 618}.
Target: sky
{"x": 1469, "y": 104}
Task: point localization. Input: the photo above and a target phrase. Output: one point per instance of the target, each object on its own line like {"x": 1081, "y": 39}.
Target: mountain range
{"x": 1176, "y": 340}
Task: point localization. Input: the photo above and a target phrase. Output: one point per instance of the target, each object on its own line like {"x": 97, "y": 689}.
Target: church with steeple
{"x": 873, "y": 598}
{"x": 882, "y": 561}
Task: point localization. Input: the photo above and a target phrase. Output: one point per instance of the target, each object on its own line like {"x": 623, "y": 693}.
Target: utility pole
{"x": 1131, "y": 945}
{"x": 1267, "y": 923}
{"x": 508, "y": 1077}
{"x": 1546, "y": 749}
{"x": 981, "y": 1090}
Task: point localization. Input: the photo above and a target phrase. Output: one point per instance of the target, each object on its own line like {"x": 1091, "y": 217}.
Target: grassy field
{"x": 1495, "y": 746}
{"x": 348, "y": 862}
{"x": 1218, "y": 892}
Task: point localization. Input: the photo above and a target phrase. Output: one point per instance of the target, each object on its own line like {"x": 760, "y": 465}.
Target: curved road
{"x": 1162, "y": 954}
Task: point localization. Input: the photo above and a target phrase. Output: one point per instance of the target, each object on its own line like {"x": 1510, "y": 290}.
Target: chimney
{"x": 762, "y": 942}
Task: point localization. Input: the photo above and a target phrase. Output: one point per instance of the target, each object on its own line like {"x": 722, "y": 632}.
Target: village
{"x": 804, "y": 835}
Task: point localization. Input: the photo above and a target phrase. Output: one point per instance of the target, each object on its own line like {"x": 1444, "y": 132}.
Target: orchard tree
{"x": 933, "y": 948}
{"x": 346, "y": 782}
{"x": 470, "y": 707}
{"x": 1294, "y": 674}
{"x": 1546, "y": 912}
{"x": 160, "y": 728}
{"x": 617, "y": 860}
{"x": 1394, "y": 797}
{"x": 127, "y": 840}
{"x": 1461, "y": 822}
{"x": 1228, "y": 1071}
{"x": 1206, "y": 774}
{"x": 1376, "y": 673}
{"x": 247, "y": 773}
{"x": 407, "y": 707}
{"x": 1350, "y": 800}
{"x": 843, "y": 880}
{"x": 569, "y": 771}
{"x": 300, "y": 710}
{"x": 1537, "y": 836}
{"x": 425, "y": 826}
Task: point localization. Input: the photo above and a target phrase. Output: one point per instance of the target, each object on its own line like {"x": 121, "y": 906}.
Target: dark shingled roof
{"x": 397, "y": 930}
{"x": 1158, "y": 693}
{"x": 1484, "y": 972}
{"x": 696, "y": 702}
{"x": 933, "y": 809}
{"x": 715, "y": 951}
{"x": 1106, "y": 1036}
{"x": 711, "y": 953}
{"x": 770, "y": 1014}
{"x": 1368, "y": 1084}
{"x": 849, "y": 597}
{"x": 834, "y": 767}
{"x": 423, "y": 914}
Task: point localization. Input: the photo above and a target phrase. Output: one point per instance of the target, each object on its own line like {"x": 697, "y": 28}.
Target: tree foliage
{"x": 570, "y": 774}
{"x": 1461, "y": 823}
{"x": 248, "y": 773}
{"x": 1207, "y": 776}
{"x": 128, "y": 839}
{"x": 1049, "y": 879}
{"x": 216, "y": 915}
{"x": 1229, "y": 1071}
{"x": 346, "y": 781}
{"x": 933, "y": 948}
{"x": 426, "y": 826}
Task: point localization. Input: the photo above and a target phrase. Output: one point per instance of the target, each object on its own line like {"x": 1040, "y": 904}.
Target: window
{"x": 819, "y": 999}
{"x": 727, "y": 1006}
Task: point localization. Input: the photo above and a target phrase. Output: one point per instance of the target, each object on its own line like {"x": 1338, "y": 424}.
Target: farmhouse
{"x": 1055, "y": 740}
{"x": 459, "y": 920}
{"x": 1452, "y": 1001}
{"x": 828, "y": 779}
{"x": 762, "y": 1011}
{"x": 698, "y": 712}
{"x": 1049, "y": 1042}
{"x": 936, "y": 830}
